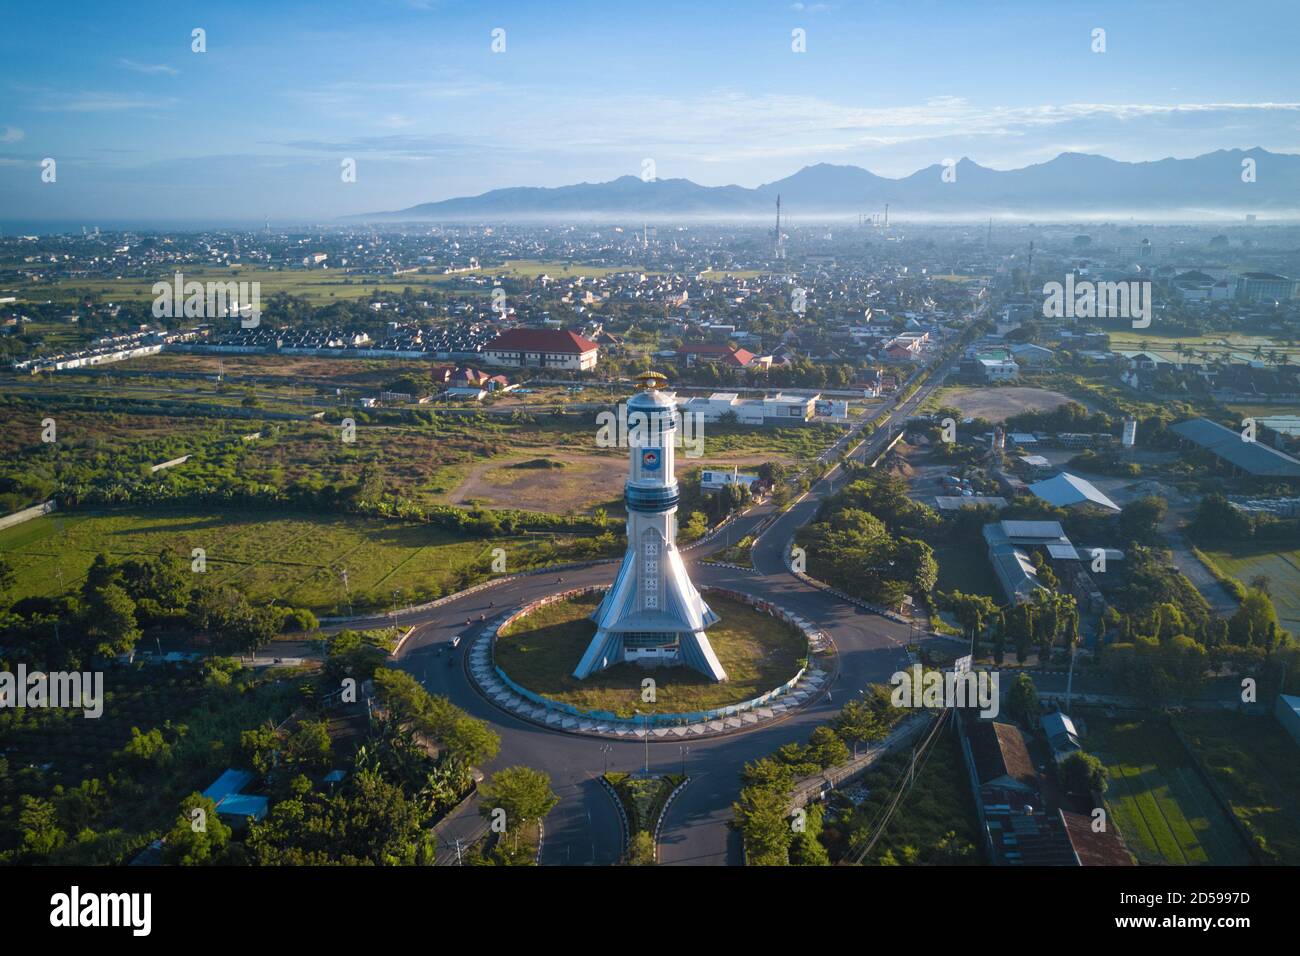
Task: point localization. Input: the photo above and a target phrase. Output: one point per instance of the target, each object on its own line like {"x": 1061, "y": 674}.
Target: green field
{"x": 318, "y": 286}
{"x": 757, "y": 651}
{"x": 297, "y": 559}
{"x": 1280, "y": 566}
{"x": 1230, "y": 346}
{"x": 1163, "y": 809}
{"x": 1257, "y": 765}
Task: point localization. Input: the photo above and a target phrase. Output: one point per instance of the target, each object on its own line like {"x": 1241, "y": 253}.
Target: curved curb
{"x": 625, "y": 828}
{"x": 480, "y": 669}
{"x": 663, "y": 812}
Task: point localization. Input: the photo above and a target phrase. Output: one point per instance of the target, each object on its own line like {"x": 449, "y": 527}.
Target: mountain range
{"x": 1070, "y": 184}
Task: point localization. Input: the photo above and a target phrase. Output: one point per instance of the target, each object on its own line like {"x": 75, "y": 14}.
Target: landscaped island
{"x": 539, "y": 651}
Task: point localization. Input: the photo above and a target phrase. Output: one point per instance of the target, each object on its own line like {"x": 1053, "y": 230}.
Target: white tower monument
{"x": 652, "y": 614}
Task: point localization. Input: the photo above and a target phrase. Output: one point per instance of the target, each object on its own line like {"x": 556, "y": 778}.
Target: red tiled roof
{"x": 540, "y": 340}
{"x": 725, "y": 352}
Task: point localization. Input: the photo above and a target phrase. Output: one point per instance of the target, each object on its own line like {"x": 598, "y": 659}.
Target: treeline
{"x": 119, "y": 601}
{"x": 1216, "y": 521}
{"x": 867, "y": 540}
{"x": 412, "y": 764}
{"x": 762, "y": 814}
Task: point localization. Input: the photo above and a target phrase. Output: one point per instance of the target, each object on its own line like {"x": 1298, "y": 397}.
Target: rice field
{"x": 1163, "y": 809}
{"x": 1256, "y": 764}
{"x": 1280, "y": 566}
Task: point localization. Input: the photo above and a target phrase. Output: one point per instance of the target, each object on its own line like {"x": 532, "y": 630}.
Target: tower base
{"x": 690, "y": 649}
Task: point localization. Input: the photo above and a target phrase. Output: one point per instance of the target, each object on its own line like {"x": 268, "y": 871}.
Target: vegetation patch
{"x": 1163, "y": 808}
{"x": 1253, "y": 761}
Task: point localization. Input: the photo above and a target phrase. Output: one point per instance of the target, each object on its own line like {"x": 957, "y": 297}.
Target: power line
{"x": 906, "y": 779}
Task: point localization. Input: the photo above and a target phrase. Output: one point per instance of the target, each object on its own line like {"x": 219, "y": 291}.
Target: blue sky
{"x": 143, "y": 128}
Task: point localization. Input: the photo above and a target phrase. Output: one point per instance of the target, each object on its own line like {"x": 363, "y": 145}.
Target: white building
{"x": 998, "y": 370}
{"x": 772, "y": 410}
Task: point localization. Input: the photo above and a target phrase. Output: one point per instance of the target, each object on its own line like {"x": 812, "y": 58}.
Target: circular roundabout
{"x": 775, "y": 663}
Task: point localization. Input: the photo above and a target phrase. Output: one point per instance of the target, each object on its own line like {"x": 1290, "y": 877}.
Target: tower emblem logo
{"x": 650, "y": 459}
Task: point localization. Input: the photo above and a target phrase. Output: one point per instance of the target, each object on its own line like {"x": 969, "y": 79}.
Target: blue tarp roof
{"x": 232, "y": 781}
{"x": 243, "y": 805}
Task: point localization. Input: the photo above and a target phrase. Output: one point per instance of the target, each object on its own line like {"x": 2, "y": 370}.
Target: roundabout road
{"x": 583, "y": 829}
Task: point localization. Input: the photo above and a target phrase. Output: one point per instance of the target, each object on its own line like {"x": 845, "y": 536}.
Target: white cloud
{"x": 97, "y": 101}
{"x": 147, "y": 68}
{"x": 11, "y": 134}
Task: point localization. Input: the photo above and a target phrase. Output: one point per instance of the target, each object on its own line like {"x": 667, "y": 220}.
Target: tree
{"x": 260, "y": 746}
{"x": 308, "y": 748}
{"x": 1083, "y": 773}
{"x": 1217, "y": 520}
{"x": 858, "y": 722}
{"x": 1255, "y": 619}
{"x": 1022, "y": 703}
{"x": 523, "y": 793}
{"x": 761, "y": 815}
{"x": 826, "y": 748}
{"x": 1140, "y": 520}
{"x": 38, "y": 822}
{"x": 109, "y": 620}
{"x": 972, "y": 611}
{"x": 196, "y": 839}
{"x": 696, "y": 526}
{"x": 806, "y": 848}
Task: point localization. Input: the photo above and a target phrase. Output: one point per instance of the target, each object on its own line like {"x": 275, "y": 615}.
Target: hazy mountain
{"x": 1072, "y": 183}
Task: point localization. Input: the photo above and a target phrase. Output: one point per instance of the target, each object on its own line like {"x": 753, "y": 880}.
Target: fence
{"x": 652, "y": 720}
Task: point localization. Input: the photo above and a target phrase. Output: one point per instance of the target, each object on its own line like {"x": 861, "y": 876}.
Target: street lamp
{"x": 684, "y": 750}
{"x": 606, "y": 749}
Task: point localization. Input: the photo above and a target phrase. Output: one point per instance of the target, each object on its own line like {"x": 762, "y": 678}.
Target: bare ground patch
{"x": 999, "y": 404}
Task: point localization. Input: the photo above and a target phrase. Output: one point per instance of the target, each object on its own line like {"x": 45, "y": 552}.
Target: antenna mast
{"x": 780, "y": 242}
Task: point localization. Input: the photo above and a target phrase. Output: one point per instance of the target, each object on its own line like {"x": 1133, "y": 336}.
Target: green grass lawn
{"x": 757, "y": 651}
{"x": 1257, "y": 765}
{"x": 1279, "y": 565}
{"x": 1163, "y": 809}
{"x": 295, "y": 558}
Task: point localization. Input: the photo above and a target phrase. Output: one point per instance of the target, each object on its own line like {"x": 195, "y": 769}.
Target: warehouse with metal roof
{"x": 1252, "y": 457}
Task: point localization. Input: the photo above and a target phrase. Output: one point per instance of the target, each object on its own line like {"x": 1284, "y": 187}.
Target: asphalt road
{"x": 583, "y": 828}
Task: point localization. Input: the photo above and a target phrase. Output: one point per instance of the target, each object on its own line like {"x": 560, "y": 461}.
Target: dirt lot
{"x": 572, "y": 482}
{"x": 999, "y": 404}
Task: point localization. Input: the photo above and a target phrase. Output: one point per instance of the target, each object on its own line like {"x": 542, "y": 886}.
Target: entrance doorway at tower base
{"x": 669, "y": 656}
